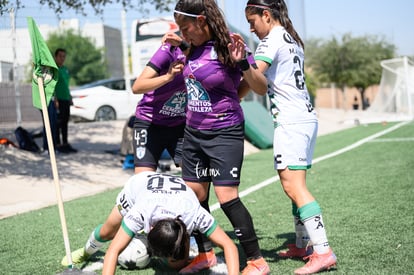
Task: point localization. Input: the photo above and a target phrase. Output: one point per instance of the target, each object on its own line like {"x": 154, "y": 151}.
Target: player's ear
{"x": 201, "y": 20}
{"x": 267, "y": 15}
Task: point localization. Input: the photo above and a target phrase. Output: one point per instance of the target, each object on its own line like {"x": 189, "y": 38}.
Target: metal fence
{"x": 9, "y": 112}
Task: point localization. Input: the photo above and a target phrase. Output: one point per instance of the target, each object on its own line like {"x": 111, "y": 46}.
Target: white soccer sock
{"x": 93, "y": 245}
{"x": 317, "y": 234}
{"x": 302, "y": 237}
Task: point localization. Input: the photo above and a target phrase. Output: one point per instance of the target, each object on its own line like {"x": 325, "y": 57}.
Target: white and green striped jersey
{"x": 289, "y": 97}
{"x": 158, "y": 196}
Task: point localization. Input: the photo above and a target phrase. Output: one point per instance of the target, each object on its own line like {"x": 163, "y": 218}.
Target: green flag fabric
{"x": 43, "y": 65}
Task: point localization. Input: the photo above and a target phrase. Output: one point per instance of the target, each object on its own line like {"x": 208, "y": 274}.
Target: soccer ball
{"x": 135, "y": 255}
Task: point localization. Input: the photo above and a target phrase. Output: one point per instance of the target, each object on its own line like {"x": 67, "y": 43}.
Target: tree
{"x": 79, "y": 5}
{"x": 350, "y": 62}
{"x": 84, "y": 61}
{"x": 370, "y": 68}
{"x": 311, "y": 84}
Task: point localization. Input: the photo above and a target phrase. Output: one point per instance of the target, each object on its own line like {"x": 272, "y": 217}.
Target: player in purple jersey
{"x": 214, "y": 134}
{"x": 160, "y": 114}
{"x": 280, "y": 56}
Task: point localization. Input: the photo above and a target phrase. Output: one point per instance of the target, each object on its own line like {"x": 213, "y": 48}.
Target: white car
{"x": 105, "y": 99}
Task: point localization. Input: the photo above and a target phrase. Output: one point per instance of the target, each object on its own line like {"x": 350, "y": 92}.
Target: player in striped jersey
{"x": 280, "y": 57}
{"x": 146, "y": 199}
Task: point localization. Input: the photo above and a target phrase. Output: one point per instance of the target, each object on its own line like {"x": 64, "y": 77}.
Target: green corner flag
{"x": 43, "y": 65}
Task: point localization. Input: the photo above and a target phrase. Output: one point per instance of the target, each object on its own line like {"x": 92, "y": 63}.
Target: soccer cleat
{"x": 78, "y": 256}
{"x": 295, "y": 252}
{"x": 202, "y": 261}
{"x": 256, "y": 267}
{"x": 318, "y": 262}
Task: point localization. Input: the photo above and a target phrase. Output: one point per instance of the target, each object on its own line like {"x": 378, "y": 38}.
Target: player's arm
{"x": 150, "y": 80}
{"x": 251, "y": 73}
{"x": 117, "y": 245}
{"x": 243, "y": 89}
{"x": 255, "y": 79}
{"x": 231, "y": 255}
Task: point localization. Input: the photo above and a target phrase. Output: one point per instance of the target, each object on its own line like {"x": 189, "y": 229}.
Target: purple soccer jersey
{"x": 212, "y": 102}
{"x": 166, "y": 105}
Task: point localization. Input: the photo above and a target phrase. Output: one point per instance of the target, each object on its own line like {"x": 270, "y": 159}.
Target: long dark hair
{"x": 279, "y": 11}
{"x": 169, "y": 238}
{"x": 215, "y": 21}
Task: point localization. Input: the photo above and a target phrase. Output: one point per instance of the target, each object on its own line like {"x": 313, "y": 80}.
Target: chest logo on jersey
{"x": 175, "y": 106}
{"x": 194, "y": 65}
{"x": 198, "y": 98}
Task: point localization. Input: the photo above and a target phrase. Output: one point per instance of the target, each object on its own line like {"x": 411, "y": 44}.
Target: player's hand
{"x": 172, "y": 38}
{"x": 237, "y": 47}
{"x": 175, "y": 68}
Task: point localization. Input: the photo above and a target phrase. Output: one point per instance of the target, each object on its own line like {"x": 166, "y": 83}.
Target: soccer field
{"x": 362, "y": 177}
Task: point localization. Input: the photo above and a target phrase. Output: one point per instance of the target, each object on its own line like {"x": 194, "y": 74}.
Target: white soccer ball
{"x": 135, "y": 255}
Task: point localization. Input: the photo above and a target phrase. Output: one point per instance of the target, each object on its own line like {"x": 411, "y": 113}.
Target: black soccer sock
{"x": 243, "y": 226}
{"x": 203, "y": 243}
{"x": 205, "y": 204}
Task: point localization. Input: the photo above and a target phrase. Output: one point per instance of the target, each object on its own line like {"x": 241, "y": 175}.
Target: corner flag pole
{"x": 45, "y": 76}
{"x": 54, "y": 169}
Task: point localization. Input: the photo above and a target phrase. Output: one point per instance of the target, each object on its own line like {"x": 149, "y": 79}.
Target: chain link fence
{"x": 17, "y": 111}
{"x": 9, "y": 113}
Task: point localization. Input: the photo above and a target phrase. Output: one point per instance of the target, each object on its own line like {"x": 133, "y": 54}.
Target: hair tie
{"x": 258, "y": 6}
{"x": 187, "y": 14}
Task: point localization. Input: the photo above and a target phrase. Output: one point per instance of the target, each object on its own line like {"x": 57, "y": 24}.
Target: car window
{"x": 118, "y": 85}
{"x": 115, "y": 84}
{"x": 132, "y": 81}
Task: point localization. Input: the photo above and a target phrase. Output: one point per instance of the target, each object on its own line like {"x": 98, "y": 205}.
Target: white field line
{"x": 333, "y": 154}
{"x": 221, "y": 267}
{"x": 393, "y": 140}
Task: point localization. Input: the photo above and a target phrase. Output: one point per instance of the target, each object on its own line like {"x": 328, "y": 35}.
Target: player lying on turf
{"x": 168, "y": 211}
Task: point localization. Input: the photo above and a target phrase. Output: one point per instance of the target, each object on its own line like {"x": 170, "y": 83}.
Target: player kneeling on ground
{"x": 166, "y": 209}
